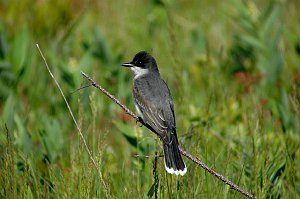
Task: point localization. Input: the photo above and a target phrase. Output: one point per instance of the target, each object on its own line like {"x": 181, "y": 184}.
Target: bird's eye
{"x": 139, "y": 62}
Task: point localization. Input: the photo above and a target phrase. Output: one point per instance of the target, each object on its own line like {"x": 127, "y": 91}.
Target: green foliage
{"x": 257, "y": 52}
{"x": 233, "y": 70}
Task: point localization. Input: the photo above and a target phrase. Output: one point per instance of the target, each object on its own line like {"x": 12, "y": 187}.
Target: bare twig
{"x": 78, "y": 89}
{"x": 147, "y": 156}
{"x": 77, "y": 126}
{"x": 182, "y": 151}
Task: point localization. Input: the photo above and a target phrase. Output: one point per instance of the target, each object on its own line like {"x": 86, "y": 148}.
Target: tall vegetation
{"x": 233, "y": 70}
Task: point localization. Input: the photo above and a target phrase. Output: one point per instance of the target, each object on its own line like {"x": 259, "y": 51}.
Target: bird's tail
{"x": 173, "y": 160}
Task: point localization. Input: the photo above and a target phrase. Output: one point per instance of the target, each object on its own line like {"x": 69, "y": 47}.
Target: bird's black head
{"x": 143, "y": 60}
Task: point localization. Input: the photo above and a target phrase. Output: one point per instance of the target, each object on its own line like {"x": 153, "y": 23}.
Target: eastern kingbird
{"x": 154, "y": 105}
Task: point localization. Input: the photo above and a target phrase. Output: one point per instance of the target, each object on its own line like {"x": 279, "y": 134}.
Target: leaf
{"x": 255, "y": 42}
{"x": 127, "y": 132}
{"x": 19, "y": 49}
{"x": 3, "y": 44}
{"x": 85, "y": 63}
{"x": 23, "y": 139}
{"x": 9, "y": 111}
{"x": 198, "y": 40}
{"x": 101, "y": 50}
{"x": 68, "y": 77}
{"x": 29, "y": 193}
{"x": 267, "y": 27}
{"x": 277, "y": 172}
{"x": 4, "y": 66}
{"x": 52, "y": 137}
{"x": 247, "y": 24}
{"x": 286, "y": 115}
{"x": 132, "y": 140}
{"x": 125, "y": 129}
{"x": 151, "y": 190}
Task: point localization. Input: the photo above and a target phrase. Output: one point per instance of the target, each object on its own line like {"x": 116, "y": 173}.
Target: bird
{"x": 154, "y": 106}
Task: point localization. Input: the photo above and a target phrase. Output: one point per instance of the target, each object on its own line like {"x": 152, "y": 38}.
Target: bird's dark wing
{"x": 151, "y": 114}
{"x": 157, "y": 112}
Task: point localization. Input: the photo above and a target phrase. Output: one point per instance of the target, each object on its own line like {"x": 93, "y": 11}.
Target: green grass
{"x": 233, "y": 70}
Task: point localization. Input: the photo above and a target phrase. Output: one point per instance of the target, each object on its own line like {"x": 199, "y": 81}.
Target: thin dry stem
{"x": 76, "y": 124}
{"x": 182, "y": 151}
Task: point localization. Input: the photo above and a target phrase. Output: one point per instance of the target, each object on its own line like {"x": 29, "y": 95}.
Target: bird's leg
{"x": 143, "y": 123}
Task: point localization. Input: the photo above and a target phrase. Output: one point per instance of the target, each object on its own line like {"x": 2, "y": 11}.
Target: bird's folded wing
{"x": 153, "y": 115}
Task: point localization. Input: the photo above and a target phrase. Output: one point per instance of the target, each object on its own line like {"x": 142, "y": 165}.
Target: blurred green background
{"x": 233, "y": 68}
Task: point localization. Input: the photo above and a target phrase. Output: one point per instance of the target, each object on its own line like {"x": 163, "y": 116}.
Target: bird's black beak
{"x": 128, "y": 64}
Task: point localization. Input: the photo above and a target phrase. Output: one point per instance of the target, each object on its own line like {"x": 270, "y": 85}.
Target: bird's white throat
{"x": 139, "y": 71}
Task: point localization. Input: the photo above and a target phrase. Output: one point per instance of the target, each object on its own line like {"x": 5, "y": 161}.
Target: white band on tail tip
{"x": 176, "y": 172}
